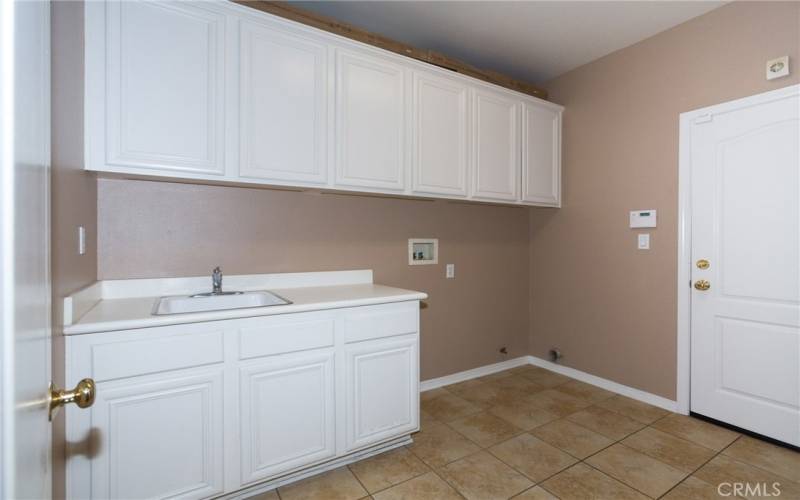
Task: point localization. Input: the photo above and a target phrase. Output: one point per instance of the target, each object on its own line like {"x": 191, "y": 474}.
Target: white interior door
{"x": 745, "y": 327}
{"x": 24, "y": 248}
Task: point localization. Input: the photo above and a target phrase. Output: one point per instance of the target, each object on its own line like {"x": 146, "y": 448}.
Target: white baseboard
{"x": 637, "y": 394}
{"x": 609, "y": 385}
{"x": 427, "y": 385}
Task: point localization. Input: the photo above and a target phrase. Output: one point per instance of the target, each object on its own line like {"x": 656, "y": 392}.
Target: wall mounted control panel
{"x": 643, "y": 218}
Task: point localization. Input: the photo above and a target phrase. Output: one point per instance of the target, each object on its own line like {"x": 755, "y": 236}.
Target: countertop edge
{"x": 178, "y": 319}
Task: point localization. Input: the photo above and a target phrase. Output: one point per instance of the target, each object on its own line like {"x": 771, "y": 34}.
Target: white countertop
{"x": 118, "y": 305}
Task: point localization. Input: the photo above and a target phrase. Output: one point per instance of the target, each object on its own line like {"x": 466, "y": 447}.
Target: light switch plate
{"x": 450, "y": 271}
{"x": 644, "y": 241}
{"x": 81, "y": 240}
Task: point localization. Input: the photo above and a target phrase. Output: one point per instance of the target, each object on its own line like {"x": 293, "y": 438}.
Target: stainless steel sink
{"x": 216, "y": 302}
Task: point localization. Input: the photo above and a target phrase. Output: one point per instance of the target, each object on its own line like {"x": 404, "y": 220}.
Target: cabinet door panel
{"x": 440, "y": 135}
{"x": 287, "y": 412}
{"x": 283, "y": 112}
{"x": 165, "y": 86}
{"x": 159, "y": 437}
{"x": 541, "y": 155}
{"x": 496, "y": 145}
{"x": 382, "y": 378}
{"x": 370, "y": 122}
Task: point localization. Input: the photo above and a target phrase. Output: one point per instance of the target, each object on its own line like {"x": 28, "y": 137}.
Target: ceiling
{"x": 532, "y": 41}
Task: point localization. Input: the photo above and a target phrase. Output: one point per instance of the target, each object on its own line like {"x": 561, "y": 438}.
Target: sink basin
{"x": 209, "y": 302}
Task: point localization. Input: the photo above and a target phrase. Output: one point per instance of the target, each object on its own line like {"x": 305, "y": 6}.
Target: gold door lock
{"x": 703, "y": 264}
{"x": 702, "y": 285}
{"x": 82, "y": 395}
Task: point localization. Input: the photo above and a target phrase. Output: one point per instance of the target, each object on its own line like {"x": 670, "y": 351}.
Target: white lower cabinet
{"x": 158, "y": 436}
{"x": 382, "y": 395}
{"x": 205, "y": 409}
{"x": 287, "y": 413}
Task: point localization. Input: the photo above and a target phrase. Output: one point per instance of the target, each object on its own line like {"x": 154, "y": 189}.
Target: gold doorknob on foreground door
{"x": 702, "y": 285}
{"x": 82, "y": 395}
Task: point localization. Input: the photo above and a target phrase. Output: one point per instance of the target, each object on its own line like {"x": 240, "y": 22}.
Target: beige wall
{"x": 609, "y": 307}
{"x": 155, "y": 229}
{"x": 73, "y": 192}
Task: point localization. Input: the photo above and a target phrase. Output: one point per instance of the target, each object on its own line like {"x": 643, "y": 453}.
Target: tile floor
{"x": 529, "y": 433}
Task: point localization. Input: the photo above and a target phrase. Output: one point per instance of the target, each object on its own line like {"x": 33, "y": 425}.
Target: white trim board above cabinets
{"x": 216, "y": 92}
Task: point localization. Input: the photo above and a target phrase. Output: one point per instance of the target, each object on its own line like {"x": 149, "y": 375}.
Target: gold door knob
{"x": 702, "y": 285}
{"x": 82, "y": 395}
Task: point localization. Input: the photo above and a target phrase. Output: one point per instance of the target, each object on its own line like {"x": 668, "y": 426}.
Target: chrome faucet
{"x": 216, "y": 281}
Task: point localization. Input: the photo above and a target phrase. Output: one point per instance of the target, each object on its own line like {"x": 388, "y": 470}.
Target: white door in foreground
{"x": 24, "y": 249}
{"x": 745, "y": 163}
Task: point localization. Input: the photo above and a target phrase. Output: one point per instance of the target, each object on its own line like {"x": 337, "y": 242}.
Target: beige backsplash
{"x": 156, "y": 229}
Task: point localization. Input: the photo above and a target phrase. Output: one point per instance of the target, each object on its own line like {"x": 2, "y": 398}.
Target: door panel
{"x": 370, "y": 122}
{"x": 382, "y": 390}
{"x": 284, "y": 110}
{"x": 287, "y": 412}
{"x": 165, "y": 86}
{"x": 178, "y": 417}
{"x": 440, "y": 133}
{"x": 746, "y": 222}
{"x": 541, "y": 155}
{"x": 25, "y": 359}
{"x": 495, "y": 142}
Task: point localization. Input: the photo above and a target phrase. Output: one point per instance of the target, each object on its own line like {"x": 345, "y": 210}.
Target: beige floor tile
{"x": 724, "y": 469}
{"x": 525, "y": 369}
{"x": 449, "y": 407}
{"x": 438, "y": 445}
{"x": 781, "y": 461}
{"x": 546, "y": 378}
{"x": 432, "y": 394}
{"x": 387, "y": 469}
{"x": 508, "y": 395}
{"x": 694, "y": 489}
{"x": 532, "y": 456}
{"x": 535, "y": 493}
{"x": 423, "y": 487}
{"x": 517, "y": 382}
{"x": 636, "y": 410}
{"x": 697, "y": 431}
{"x": 581, "y": 482}
{"x": 609, "y": 423}
{"x": 464, "y": 386}
{"x": 484, "y": 429}
{"x": 637, "y": 470}
{"x": 338, "y": 484}
{"x": 270, "y": 495}
{"x": 425, "y": 419}
{"x": 523, "y": 414}
{"x": 482, "y": 395}
{"x": 670, "y": 449}
{"x": 578, "y": 441}
{"x": 587, "y": 392}
{"x": 557, "y": 402}
{"x": 484, "y": 477}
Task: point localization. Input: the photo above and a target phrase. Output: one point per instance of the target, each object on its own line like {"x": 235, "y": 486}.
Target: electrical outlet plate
{"x": 777, "y": 68}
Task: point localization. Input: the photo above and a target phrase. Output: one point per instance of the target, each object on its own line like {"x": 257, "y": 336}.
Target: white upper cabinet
{"x": 496, "y": 145}
{"x": 370, "y": 121}
{"x": 218, "y": 92}
{"x": 155, "y": 86}
{"x": 440, "y": 145}
{"x": 541, "y": 154}
{"x": 283, "y": 92}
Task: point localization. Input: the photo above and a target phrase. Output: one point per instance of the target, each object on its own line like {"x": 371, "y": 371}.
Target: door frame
{"x": 684, "y": 330}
